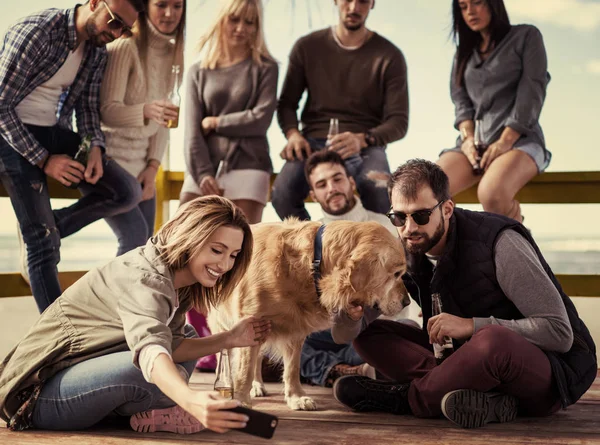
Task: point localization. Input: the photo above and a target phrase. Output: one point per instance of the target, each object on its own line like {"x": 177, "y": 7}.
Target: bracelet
{"x": 154, "y": 165}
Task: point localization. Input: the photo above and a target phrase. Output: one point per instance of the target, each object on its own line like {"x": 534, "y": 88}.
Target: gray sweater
{"x": 507, "y": 89}
{"x": 244, "y": 98}
{"x": 524, "y": 281}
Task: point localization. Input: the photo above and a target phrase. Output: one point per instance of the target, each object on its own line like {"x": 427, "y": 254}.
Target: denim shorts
{"x": 539, "y": 154}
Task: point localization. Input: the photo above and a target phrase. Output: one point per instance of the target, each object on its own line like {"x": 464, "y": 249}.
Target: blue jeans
{"x": 290, "y": 188}
{"x": 133, "y": 228}
{"x": 42, "y": 228}
{"x": 82, "y": 395}
{"x": 320, "y": 353}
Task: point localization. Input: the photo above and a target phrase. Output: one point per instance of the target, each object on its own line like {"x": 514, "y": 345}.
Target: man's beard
{"x": 95, "y": 37}
{"x": 356, "y": 27}
{"x": 344, "y": 209}
{"x": 427, "y": 243}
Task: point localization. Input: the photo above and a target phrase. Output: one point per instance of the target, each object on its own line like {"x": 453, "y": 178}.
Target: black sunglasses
{"x": 116, "y": 24}
{"x": 421, "y": 217}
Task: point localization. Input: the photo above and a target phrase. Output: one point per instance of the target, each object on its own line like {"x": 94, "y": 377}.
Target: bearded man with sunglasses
{"x": 521, "y": 347}
{"x": 51, "y": 64}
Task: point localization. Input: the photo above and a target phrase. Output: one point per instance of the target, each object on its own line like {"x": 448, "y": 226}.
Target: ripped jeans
{"x": 290, "y": 188}
{"x": 42, "y": 227}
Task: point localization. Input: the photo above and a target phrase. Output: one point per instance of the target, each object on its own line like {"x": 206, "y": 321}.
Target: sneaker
{"x": 23, "y": 265}
{"x": 472, "y": 409}
{"x": 342, "y": 369}
{"x": 364, "y": 394}
{"x": 174, "y": 420}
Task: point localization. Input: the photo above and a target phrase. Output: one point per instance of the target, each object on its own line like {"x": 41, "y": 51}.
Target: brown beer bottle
{"x": 480, "y": 146}
{"x": 445, "y": 350}
{"x": 224, "y": 382}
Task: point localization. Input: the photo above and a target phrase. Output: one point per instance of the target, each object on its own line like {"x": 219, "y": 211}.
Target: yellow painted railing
{"x": 547, "y": 188}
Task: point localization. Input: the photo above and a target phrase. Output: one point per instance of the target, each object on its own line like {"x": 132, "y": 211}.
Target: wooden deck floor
{"x": 333, "y": 424}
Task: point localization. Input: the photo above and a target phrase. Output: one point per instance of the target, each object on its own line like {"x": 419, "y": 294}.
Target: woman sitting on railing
{"x": 499, "y": 79}
{"x": 116, "y": 341}
{"x": 230, "y": 100}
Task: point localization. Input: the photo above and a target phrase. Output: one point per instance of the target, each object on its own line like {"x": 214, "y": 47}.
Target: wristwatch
{"x": 369, "y": 138}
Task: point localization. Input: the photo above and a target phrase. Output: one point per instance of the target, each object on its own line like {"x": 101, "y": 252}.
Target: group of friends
{"x": 116, "y": 343}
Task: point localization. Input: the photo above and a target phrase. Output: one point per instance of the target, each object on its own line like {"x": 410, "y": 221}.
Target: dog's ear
{"x": 345, "y": 285}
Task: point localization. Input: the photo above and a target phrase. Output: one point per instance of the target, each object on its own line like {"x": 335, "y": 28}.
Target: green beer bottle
{"x": 82, "y": 154}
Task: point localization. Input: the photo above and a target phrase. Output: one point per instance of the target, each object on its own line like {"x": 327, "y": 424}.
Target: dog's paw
{"x": 301, "y": 403}
{"x": 258, "y": 389}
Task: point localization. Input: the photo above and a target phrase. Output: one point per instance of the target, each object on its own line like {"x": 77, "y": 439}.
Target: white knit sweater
{"x": 129, "y": 140}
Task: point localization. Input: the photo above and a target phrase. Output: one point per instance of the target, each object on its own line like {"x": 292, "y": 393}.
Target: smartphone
{"x": 259, "y": 424}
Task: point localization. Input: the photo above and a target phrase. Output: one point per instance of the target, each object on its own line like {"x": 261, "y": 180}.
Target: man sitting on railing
{"x": 356, "y": 76}
{"x": 51, "y": 64}
{"x": 520, "y": 344}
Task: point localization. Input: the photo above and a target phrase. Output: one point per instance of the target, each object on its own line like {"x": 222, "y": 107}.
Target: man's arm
{"x": 395, "y": 107}
{"x": 294, "y": 85}
{"x": 24, "y": 48}
{"x": 525, "y": 282}
{"x": 345, "y": 328}
{"x": 87, "y": 109}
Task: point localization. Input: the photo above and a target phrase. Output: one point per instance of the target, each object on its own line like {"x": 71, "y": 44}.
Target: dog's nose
{"x": 376, "y": 306}
{"x": 405, "y": 301}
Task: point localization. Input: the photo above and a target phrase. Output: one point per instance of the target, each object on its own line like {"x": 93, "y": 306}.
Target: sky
{"x": 420, "y": 28}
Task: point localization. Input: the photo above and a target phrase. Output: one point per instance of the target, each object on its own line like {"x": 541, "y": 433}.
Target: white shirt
{"x": 40, "y": 107}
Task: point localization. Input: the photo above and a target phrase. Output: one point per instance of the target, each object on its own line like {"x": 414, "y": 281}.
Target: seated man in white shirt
{"x": 323, "y": 360}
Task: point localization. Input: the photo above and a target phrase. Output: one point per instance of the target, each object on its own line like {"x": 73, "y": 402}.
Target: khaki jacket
{"x": 125, "y": 304}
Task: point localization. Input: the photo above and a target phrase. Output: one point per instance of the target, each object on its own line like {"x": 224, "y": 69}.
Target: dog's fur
{"x": 362, "y": 264}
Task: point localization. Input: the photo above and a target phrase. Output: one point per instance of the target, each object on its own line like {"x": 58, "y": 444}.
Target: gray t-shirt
{"x": 524, "y": 281}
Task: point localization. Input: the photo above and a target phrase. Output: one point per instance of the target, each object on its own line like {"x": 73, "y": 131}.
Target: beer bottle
{"x": 224, "y": 383}
{"x": 480, "y": 146}
{"x": 174, "y": 96}
{"x": 83, "y": 152}
{"x": 445, "y": 350}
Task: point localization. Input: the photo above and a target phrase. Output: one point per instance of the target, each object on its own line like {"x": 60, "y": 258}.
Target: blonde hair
{"x": 213, "y": 40}
{"x": 140, "y": 34}
{"x": 189, "y": 231}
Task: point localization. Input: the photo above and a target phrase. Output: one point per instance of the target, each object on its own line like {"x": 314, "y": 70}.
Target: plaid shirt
{"x": 33, "y": 51}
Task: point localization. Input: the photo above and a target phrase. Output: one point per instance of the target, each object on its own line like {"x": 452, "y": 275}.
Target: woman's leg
{"x": 84, "y": 394}
{"x": 130, "y": 228}
{"x": 459, "y": 170}
{"x": 148, "y": 209}
{"x": 252, "y": 209}
{"x": 187, "y": 197}
{"x": 505, "y": 176}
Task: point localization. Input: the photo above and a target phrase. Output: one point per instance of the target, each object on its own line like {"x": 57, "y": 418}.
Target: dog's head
{"x": 363, "y": 264}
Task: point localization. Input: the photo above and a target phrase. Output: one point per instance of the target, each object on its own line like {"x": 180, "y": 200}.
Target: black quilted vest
{"x": 465, "y": 276}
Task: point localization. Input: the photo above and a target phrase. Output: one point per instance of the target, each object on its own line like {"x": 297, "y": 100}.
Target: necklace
{"x": 339, "y": 42}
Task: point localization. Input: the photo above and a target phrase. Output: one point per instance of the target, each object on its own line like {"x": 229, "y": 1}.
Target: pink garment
{"x": 198, "y": 321}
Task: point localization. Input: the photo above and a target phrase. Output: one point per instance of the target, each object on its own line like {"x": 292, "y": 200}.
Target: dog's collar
{"x": 316, "y": 264}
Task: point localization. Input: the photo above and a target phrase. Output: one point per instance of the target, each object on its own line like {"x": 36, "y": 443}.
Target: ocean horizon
{"x": 566, "y": 255}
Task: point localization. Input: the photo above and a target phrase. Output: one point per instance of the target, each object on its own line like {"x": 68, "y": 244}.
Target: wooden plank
{"x": 547, "y": 188}
{"x": 12, "y": 284}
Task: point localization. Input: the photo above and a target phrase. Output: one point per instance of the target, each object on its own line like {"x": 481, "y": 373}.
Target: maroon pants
{"x": 494, "y": 359}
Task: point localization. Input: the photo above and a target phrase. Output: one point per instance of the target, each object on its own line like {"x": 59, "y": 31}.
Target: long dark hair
{"x": 467, "y": 40}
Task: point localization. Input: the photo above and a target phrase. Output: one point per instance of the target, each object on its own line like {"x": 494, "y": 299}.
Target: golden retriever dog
{"x": 362, "y": 263}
